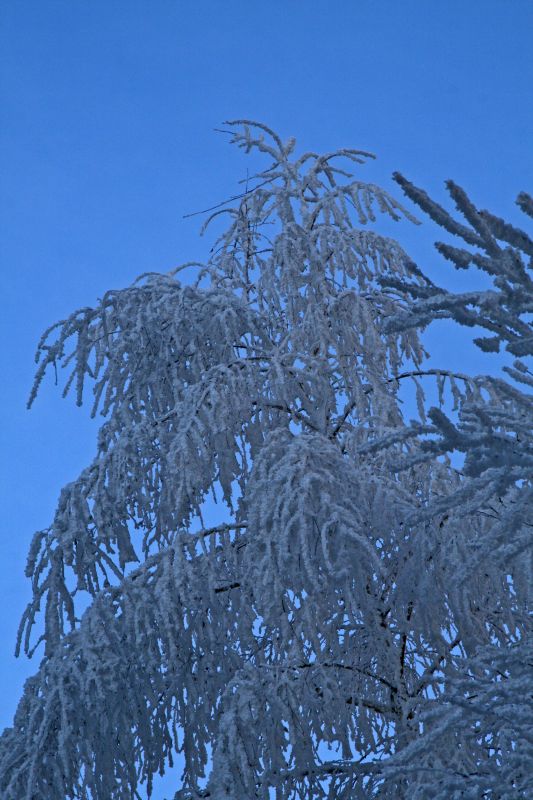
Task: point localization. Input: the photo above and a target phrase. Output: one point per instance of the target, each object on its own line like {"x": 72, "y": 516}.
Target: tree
{"x": 477, "y": 731}
{"x": 360, "y": 595}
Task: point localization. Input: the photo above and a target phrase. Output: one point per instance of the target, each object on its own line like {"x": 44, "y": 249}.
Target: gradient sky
{"x": 108, "y": 111}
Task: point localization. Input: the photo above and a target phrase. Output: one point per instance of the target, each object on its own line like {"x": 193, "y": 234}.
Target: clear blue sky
{"x": 108, "y": 110}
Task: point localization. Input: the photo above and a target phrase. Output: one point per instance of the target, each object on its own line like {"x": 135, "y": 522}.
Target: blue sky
{"x": 107, "y": 140}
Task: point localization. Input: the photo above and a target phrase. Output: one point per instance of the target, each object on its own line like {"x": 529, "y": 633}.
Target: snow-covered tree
{"x": 356, "y": 624}
{"x": 477, "y": 732}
